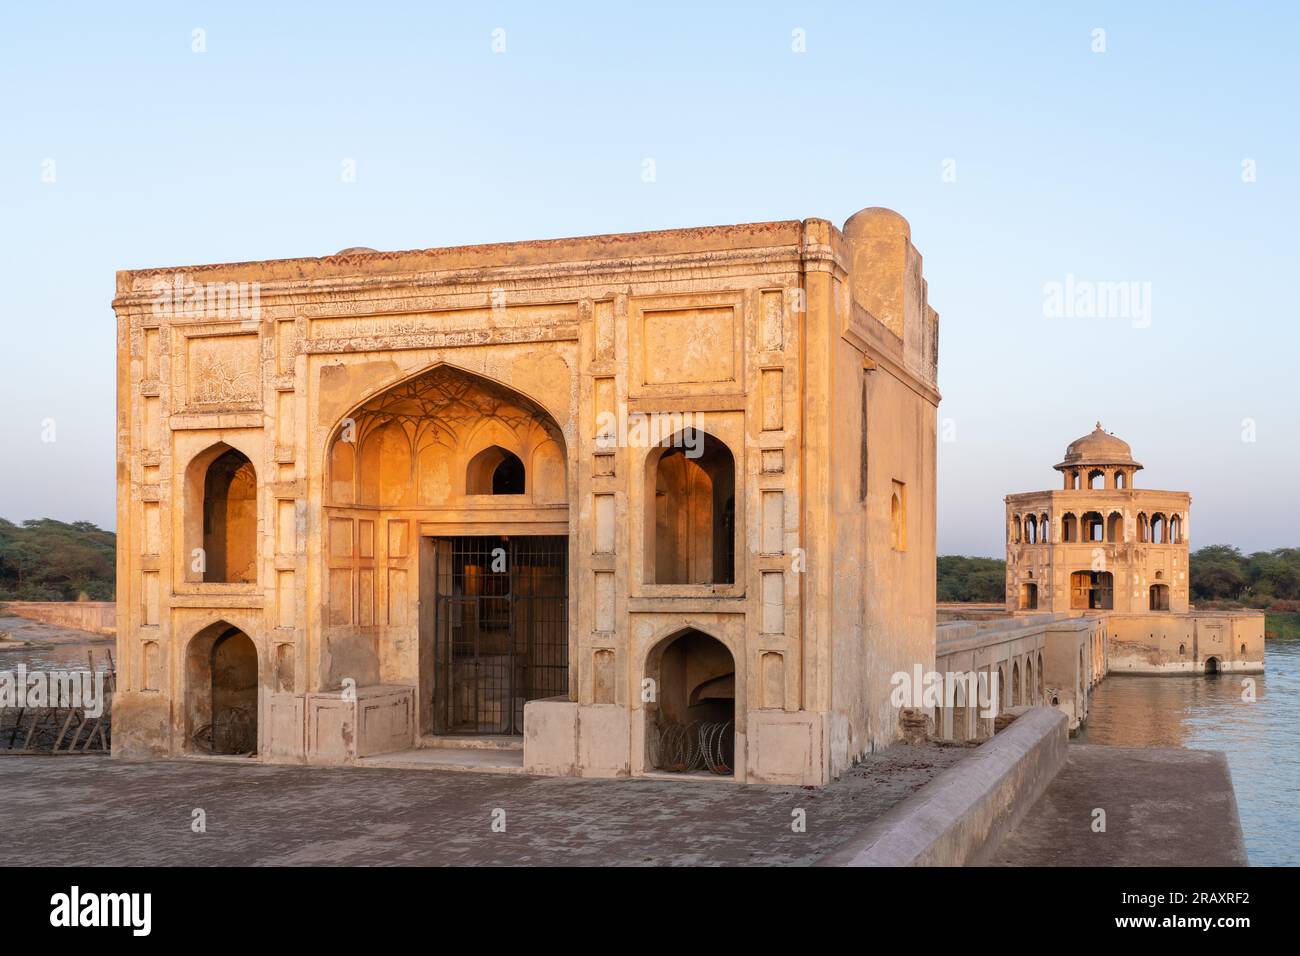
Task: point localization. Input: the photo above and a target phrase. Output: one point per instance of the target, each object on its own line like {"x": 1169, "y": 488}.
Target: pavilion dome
{"x": 1098, "y": 447}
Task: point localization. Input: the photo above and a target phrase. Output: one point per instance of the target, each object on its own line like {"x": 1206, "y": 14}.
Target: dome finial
{"x": 1099, "y": 426}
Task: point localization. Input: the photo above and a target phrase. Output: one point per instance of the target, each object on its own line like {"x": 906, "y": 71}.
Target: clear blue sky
{"x": 1117, "y": 166}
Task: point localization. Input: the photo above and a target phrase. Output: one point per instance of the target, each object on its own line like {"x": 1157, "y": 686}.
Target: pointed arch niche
{"x": 445, "y": 454}
{"x": 447, "y": 438}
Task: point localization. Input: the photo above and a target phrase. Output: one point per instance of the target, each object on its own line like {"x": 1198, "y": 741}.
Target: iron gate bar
{"x": 500, "y": 633}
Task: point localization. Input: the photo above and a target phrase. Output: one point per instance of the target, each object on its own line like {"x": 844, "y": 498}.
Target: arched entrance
{"x": 691, "y": 722}
{"x": 447, "y": 520}
{"x": 1092, "y": 590}
{"x": 1159, "y": 597}
{"x": 222, "y": 691}
{"x": 1211, "y": 665}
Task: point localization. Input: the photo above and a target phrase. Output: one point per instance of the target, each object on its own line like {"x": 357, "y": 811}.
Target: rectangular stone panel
{"x": 223, "y": 370}
{"x": 603, "y": 317}
{"x": 286, "y": 345}
{"x": 605, "y": 425}
{"x": 366, "y": 597}
{"x": 284, "y": 429}
{"x": 285, "y": 599}
{"x": 604, "y": 524}
{"x": 773, "y": 597}
{"x": 772, "y": 321}
{"x": 149, "y": 592}
{"x": 340, "y": 582}
{"x": 602, "y": 676}
{"x": 773, "y": 516}
{"x": 604, "y": 587}
{"x": 286, "y": 522}
{"x": 398, "y": 532}
{"x": 681, "y": 346}
{"x": 341, "y": 538}
{"x": 151, "y": 354}
{"x": 152, "y": 528}
{"x": 773, "y": 403}
{"x": 772, "y": 678}
{"x": 398, "y": 597}
{"x": 152, "y": 423}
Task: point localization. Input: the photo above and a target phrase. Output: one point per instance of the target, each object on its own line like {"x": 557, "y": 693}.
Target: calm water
{"x": 56, "y": 657}
{"x": 1261, "y": 739}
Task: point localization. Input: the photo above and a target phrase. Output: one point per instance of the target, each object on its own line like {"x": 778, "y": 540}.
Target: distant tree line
{"x": 1265, "y": 579}
{"x": 978, "y": 580}
{"x": 47, "y": 560}
{"x": 1220, "y": 574}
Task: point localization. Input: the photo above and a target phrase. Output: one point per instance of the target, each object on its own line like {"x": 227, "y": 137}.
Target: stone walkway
{"x": 1163, "y": 806}
{"x": 76, "y": 811}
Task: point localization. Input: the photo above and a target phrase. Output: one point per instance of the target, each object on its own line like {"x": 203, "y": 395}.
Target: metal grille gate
{"x": 501, "y": 630}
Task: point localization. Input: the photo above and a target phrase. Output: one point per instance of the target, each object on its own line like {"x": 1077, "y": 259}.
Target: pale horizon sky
{"x": 1128, "y": 165}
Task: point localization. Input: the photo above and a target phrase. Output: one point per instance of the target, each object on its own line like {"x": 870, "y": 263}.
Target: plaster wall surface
{"x": 371, "y": 395}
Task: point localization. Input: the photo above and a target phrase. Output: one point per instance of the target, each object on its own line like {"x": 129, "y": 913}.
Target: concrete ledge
{"x": 1164, "y": 806}
{"x": 961, "y": 816}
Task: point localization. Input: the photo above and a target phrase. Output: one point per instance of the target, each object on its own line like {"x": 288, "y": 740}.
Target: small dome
{"x": 1099, "y": 447}
{"x": 874, "y": 222}
{"x": 352, "y": 250}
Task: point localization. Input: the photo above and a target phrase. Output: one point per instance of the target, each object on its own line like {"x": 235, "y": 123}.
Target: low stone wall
{"x": 1172, "y": 643}
{"x": 97, "y": 617}
{"x": 961, "y": 816}
{"x": 949, "y": 611}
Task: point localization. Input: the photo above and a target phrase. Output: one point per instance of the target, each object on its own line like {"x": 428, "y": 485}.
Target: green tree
{"x": 47, "y": 560}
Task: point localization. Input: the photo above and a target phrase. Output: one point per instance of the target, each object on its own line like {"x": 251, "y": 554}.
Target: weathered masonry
{"x": 640, "y": 503}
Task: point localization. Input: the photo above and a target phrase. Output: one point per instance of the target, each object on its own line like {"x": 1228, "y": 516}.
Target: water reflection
{"x": 1261, "y": 739}
{"x": 61, "y": 657}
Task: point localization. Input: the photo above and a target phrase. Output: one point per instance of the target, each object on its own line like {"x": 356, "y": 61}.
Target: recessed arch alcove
{"x": 495, "y": 471}
{"x": 220, "y": 517}
{"x": 690, "y": 511}
{"x": 222, "y": 671}
{"x": 690, "y": 722}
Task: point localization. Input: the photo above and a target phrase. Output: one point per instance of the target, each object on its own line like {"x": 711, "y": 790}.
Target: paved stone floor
{"x": 79, "y": 811}
{"x": 1164, "y": 807}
